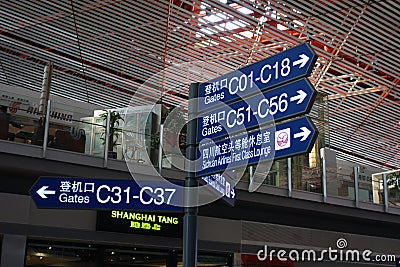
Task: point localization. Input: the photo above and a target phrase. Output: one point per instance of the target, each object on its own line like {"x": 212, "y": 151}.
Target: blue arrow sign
{"x": 283, "y": 67}
{"x": 221, "y": 184}
{"x": 287, "y": 101}
{"x": 79, "y": 193}
{"x": 285, "y": 140}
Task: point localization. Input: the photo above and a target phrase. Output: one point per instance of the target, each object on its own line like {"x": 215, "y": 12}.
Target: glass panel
{"x": 274, "y": 175}
{"x": 376, "y": 189}
{"x": 306, "y": 173}
{"x": 340, "y": 179}
{"x": 77, "y": 136}
{"x": 393, "y": 184}
{"x": 19, "y": 120}
{"x": 135, "y": 258}
{"x": 365, "y": 186}
{"x": 139, "y": 131}
{"x": 71, "y": 123}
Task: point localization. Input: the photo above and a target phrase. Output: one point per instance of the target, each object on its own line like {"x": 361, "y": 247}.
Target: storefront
{"x": 57, "y": 253}
{"x": 149, "y": 225}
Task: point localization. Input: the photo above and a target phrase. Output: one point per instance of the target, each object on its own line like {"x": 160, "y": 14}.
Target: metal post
{"x": 289, "y": 176}
{"x": 107, "y": 139}
{"x": 251, "y": 175}
{"x": 322, "y": 152}
{"x": 46, "y": 128}
{"x": 160, "y": 148}
{"x": 190, "y": 217}
{"x": 356, "y": 193}
{"x": 44, "y": 95}
{"x": 385, "y": 193}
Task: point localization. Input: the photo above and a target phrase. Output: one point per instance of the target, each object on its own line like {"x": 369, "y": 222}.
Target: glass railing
{"x": 375, "y": 189}
{"x": 393, "y": 188}
{"x": 22, "y": 125}
{"x": 340, "y": 181}
{"x": 136, "y": 139}
{"x": 306, "y": 174}
{"x": 81, "y": 136}
{"x": 272, "y": 174}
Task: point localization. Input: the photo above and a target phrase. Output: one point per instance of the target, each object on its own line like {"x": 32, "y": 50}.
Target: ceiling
{"x": 117, "y": 52}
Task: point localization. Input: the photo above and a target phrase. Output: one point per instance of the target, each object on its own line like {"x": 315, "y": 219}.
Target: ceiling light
{"x": 281, "y": 27}
{"x": 247, "y": 34}
{"x": 245, "y": 10}
{"x": 215, "y": 18}
{"x": 207, "y": 31}
{"x": 231, "y": 26}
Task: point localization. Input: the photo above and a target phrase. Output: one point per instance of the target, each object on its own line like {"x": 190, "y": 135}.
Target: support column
{"x": 13, "y": 251}
{"x": 190, "y": 217}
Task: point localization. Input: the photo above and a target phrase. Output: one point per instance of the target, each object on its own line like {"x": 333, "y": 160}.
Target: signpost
{"x": 78, "y": 193}
{"x": 240, "y": 101}
{"x": 283, "y": 140}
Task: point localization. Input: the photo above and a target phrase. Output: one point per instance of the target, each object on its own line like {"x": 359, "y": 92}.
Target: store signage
{"x": 284, "y": 140}
{"x": 286, "y": 66}
{"x": 287, "y": 101}
{"x": 79, "y": 193}
{"x": 139, "y": 222}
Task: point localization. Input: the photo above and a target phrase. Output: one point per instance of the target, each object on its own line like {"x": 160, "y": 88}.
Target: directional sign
{"x": 283, "y": 67}
{"x": 79, "y": 193}
{"x": 221, "y": 184}
{"x": 285, "y": 140}
{"x": 289, "y": 100}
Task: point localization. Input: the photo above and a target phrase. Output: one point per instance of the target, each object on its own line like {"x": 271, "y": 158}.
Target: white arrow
{"x": 302, "y": 61}
{"x": 42, "y": 192}
{"x": 304, "y": 133}
{"x": 233, "y": 193}
{"x": 300, "y": 97}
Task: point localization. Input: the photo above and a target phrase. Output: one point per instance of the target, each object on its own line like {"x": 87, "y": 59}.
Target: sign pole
{"x": 190, "y": 216}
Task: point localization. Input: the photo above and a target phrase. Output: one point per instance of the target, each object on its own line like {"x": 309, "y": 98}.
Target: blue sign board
{"x": 283, "y": 67}
{"x": 284, "y": 140}
{"x": 222, "y": 184}
{"x": 82, "y": 193}
{"x": 398, "y": 262}
{"x": 289, "y": 100}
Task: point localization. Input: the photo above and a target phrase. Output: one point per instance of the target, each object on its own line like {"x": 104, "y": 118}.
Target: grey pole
{"x": 385, "y": 192}
{"x": 160, "y": 148}
{"x": 289, "y": 176}
{"x": 107, "y": 139}
{"x": 46, "y": 128}
{"x": 324, "y": 183}
{"x": 190, "y": 217}
{"x": 356, "y": 193}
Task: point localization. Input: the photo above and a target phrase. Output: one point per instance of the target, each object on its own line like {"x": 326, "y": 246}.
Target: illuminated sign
{"x": 287, "y": 101}
{"x": 82, "y": 193}
{"x": 138, "y": 222}
{"x": 285, "y": 140}
{"x": 286, "y": 66}
{"x": 221, "y": 184}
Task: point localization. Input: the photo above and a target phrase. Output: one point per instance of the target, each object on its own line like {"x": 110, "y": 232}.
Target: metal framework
{"x": 107, "y": 51}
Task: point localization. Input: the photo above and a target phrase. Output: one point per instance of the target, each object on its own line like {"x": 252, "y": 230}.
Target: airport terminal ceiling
{"x": 106, "y": 52}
